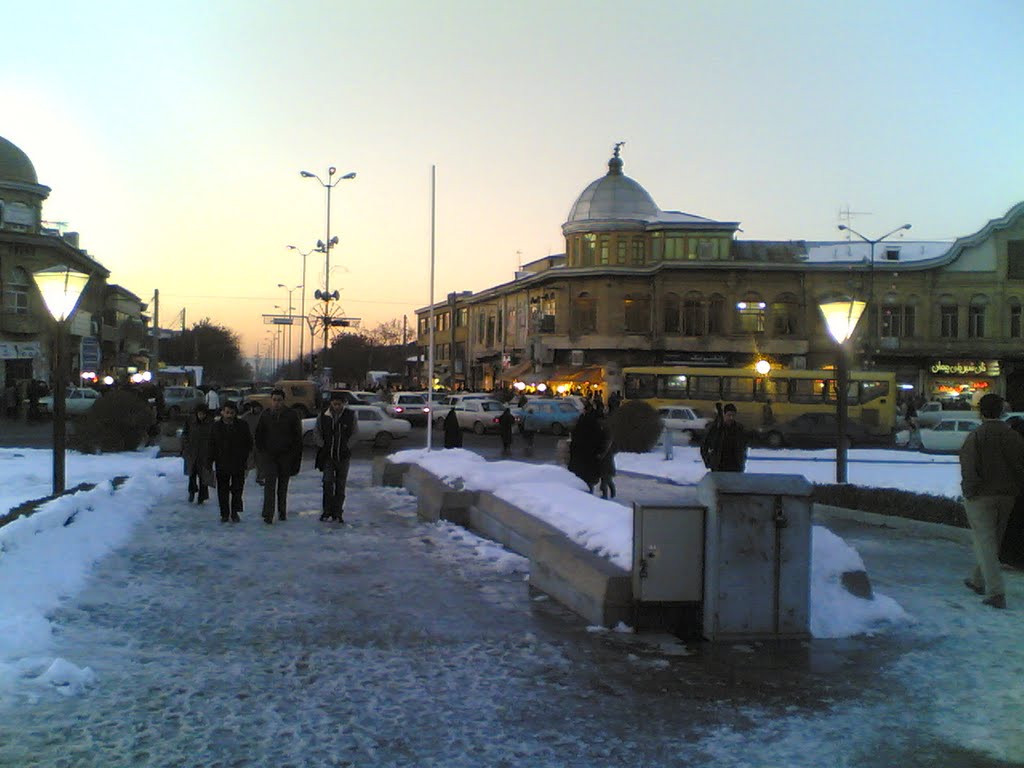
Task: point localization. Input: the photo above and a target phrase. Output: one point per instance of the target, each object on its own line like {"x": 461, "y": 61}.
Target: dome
{"x": 15, "y": 165}
{"x": 613, "y": 196}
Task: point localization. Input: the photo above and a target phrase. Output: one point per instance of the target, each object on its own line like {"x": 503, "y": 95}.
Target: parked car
{"x": 945, "y": 437}
{"x": 480, "y": 415}
{"x": 683, "y": 421}
{"x": 557, "y": 416}
{"x": 77, "y": 400}
{"x": 931, "y": 413}
{"x": 411, "y": 406}
{"x": 444, "y": 403}
{"x": 179, "y": 400}
{"x": 816, "y": 430}
{"x": 372, "y": 426}
{"x": 300, "y": 395}
{"x": 233, "y": 394}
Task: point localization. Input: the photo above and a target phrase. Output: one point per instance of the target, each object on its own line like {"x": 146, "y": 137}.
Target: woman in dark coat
{"x": 195, "y": 449}
{"x": 505, "y": 423}
{"x": 452, "y": 430}
{"x": 586, "y": 447}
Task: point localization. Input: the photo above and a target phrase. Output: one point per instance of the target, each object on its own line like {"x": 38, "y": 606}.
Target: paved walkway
{"x": 391, "y": 642}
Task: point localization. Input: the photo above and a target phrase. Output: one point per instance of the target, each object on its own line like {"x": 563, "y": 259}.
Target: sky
{"x": 940, "y": 652}
{"x": 172, "y": 136}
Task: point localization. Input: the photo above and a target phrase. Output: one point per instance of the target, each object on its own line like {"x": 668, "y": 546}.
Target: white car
{"x": 372, "y": 426}
{"x": 411, "y": 406}
{"x": 77, "y": 401}
{"x": 481, "y": 415}
{"x": 441, "y": 405}
{"x": 684, "y": 422}
{"x": 945, "y": 437}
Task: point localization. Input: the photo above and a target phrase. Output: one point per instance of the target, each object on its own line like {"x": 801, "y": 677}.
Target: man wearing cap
{"x": 334, "y": 429}
{"x": 725, "y": 445}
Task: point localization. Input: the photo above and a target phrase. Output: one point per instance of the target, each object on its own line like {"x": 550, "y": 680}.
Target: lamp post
{"x": 290, "y": 308}
{"x": 841, "y": 316}
{"x": 871, "y": 269}
{"x": 325, "y": 245}
{"x": 302, "y": 306}
{"x": 61, "y": 288}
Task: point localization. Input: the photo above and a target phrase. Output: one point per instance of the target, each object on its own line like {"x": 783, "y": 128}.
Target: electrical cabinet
{"x": 668, "y": 553}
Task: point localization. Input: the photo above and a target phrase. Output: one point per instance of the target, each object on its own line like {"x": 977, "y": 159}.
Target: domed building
{"x": 21, "y": 194}
{"x": 642, "y": 286}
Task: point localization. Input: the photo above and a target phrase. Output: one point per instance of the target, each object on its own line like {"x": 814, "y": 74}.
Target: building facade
{"x": 641, "y": 286}
{"x": 108, "y": 329}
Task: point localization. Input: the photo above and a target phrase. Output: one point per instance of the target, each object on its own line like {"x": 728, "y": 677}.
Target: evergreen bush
{"x": 635, "y": 426}
{"x": 118, "y": 421}
{"x": 889, "y": 501}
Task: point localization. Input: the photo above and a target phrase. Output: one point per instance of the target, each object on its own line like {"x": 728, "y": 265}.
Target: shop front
{"x": 961, "y": 381}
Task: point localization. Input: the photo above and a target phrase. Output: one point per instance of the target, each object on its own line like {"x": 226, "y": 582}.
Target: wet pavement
{"x": 393, "y": 642}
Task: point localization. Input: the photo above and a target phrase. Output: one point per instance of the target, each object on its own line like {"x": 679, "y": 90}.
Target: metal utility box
{"x": 668, "y": 553}
{"x": 757, "y": 556}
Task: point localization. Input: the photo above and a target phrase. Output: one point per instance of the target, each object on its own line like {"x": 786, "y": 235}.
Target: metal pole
{"x": 327, "y": 266}
{"x": 302, "y": 331}
{"x": 59, "y": 410}
{"x": 430, "y": 333}
{"x": 842, "y": 386}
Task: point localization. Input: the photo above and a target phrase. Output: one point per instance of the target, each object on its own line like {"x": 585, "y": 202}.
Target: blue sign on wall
{"x": 90, "y": 351}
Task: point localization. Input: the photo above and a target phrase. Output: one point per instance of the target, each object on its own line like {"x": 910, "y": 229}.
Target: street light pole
{"x": 290, "y": 308}
{"x": 302, "y": 308}
{"x": 326, "y": 296}
{"x": 872, "y": 311}
{"x": 841, "y": 317}
{"x": 61, "y": 288}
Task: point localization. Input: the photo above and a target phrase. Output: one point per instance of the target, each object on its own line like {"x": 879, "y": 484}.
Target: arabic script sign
{"x": 966, "y": 368}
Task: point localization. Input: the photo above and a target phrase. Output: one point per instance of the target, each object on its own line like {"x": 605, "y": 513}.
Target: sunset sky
{"x": 172, "y": 134}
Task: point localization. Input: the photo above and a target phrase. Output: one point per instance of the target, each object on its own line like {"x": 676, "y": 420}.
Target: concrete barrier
{"x": 389, "y": 473}
{"x": 582, "y": 581}
{"x": 435, "y": 499}
{"x": 500, "y": 521}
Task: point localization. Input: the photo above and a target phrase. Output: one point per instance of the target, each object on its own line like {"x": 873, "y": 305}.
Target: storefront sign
{"x": 966, "y": 368}
{"x": 696, "y": 358}
{"x": 19, "y": 351}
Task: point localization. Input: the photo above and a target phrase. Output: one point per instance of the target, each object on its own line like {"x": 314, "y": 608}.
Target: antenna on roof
{"x": 519, "y": 261}
{"x": 845, "y": 216}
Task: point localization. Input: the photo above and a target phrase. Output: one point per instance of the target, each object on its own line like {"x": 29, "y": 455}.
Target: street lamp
{"x": 290, "y": 308}
{"x": 841, "y": 317}
{"x": 61, "y": 288}
{"x": 302, "y": 308}
{"x": 871, "y": 268}
{"x": 326, "y": 244}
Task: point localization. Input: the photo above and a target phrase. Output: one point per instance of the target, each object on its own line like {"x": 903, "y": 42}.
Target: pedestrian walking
{"x": 607, "y": 459}
{"x": 230, "y": 446}
{"x": 212, "y": 400}
{"x": 452, "y": 430}
{"x": 585, "y": 448}
{"x": 278, "y": 441}
{"x": 1011, "y": 550}
{"x": 991, "y": 472}
{"x": 505, "y": 424}
{"x": 195, "y": 450}
{"x": 724, "y": 448}
{"x": 335, "y": 428}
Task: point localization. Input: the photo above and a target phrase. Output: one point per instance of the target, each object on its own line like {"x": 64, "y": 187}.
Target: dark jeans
{"x": 335, "y": 478}
{"x": 196, "y": 485}
{"x": 275, "y": 485}
{"x": 229, "y": 492}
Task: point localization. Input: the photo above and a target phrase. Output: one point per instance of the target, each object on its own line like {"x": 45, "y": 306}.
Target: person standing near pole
{"x": 230, "y": 446}
{"x": 278, "y": 454}
{"x": 991, "y": 472}
{"x": 334, "y": 429}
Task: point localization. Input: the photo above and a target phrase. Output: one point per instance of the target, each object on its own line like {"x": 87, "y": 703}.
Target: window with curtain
{"x": 693, "y": 315}
{"x": 976, "y": 317}
{"x": 949, "y": 317}
{"x": 671, "y": 322}
{"x": 716, "y": 314}
{"x": 584, "y": 314}
{"x": 750, "y": 312}
{"x": 784, "y": 311}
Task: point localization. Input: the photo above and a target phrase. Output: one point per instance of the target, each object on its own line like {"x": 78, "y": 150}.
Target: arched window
{"x": 976, "y": 316}
{"x": 949, "y": 317}
{"x": 1015, "y": 326}
{"x": 716, "y": 314}
{"x": 671, "y": 313}
{"x": 636, "y": 308}
{"x": 584, "y": 313}
{"x": 898, "y": 316}
{"x": 750, "y": 313}
{"x": 693, "y": 314}
{"x": 785, "y": 311}
{"x": 16, "y": 288}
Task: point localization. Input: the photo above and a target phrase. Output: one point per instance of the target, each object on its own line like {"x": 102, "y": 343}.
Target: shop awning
{"x": 574, "y": 375}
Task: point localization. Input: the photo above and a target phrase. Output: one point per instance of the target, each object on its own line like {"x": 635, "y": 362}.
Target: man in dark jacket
{"x": 725, "y": 445}
{"x": 230, "y": 445}
{"x": 334, "y": 429}
{"x": 278, "y": 454}
{"x": 991, "y": 471}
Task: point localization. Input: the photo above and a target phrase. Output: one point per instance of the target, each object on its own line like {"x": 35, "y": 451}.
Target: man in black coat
{"x": 725, "y": 446}
{"x": 278, "y": 454}
{"x": 334, "y": 429}
{"x": 230, "y": 445}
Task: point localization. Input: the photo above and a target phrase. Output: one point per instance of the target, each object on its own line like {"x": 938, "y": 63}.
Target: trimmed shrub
{"x": 118, "y": 421}
{"x": 635, "y": 426}
{"x": 889, "y": 501}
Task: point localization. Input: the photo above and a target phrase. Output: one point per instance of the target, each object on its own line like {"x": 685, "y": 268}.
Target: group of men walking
{"x": 219, "y": 452}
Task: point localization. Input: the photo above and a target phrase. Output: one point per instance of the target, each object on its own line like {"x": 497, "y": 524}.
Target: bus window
{"x": 775, "y": 389}
{"x": 674, "y": 386}
{"x": 641, "y": 385}
{"x": 873, "y": 390}
{"x": 807, "y": 390}
{"x": 705, "y": 388}
{"x": 851, "y": 392}
{"x": 738, "y": 389}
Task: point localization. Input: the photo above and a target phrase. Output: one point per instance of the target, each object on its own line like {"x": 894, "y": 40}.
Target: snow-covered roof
{"x": 859, "y": 252}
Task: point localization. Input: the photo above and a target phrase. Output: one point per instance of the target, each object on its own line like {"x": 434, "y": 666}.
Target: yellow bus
{"x": 763, "y": 400}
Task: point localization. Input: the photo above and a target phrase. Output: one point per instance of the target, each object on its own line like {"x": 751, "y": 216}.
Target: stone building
{"x": 107, "y": 329}
{"x": 638, "y": 285}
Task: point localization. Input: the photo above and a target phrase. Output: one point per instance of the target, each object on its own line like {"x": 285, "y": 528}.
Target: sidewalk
{"x": 392, "y": 642}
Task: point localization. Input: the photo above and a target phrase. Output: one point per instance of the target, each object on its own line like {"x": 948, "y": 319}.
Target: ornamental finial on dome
{"x": 615, "y": 164}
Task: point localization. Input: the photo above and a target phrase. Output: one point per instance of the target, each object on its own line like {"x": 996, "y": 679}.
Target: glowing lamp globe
{"x": 61, "y": 288}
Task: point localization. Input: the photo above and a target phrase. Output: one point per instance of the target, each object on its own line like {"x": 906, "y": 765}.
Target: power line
{"x": 276, "y": 298}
